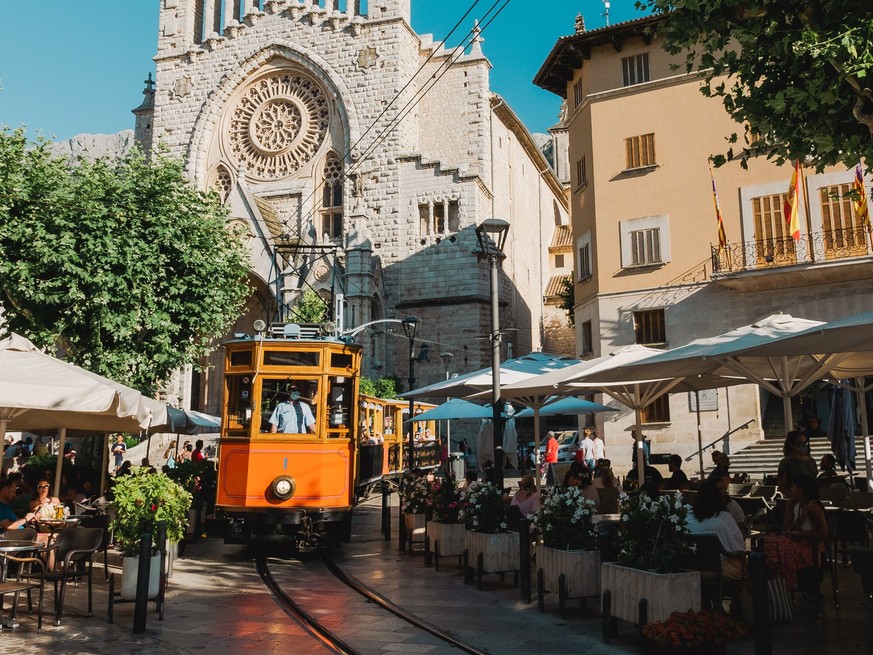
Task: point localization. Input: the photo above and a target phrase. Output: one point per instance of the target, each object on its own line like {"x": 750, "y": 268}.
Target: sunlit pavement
{"x": 216, "y": 604}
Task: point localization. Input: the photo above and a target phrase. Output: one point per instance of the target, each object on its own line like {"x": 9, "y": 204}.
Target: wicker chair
{"x": 29, "y": 576}
{"x": 74, "y": 551}
{"x": 100, "y": 521}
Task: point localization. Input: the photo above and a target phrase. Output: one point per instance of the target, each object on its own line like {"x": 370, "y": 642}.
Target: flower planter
{"x": 499, "y": 551}
{"x": 665, "y": 593}
{"x": 415, "y": 528}
{"x": 580, "y": 568}
{"x": 446, "y": 539}
{"x": 130, "y": 575}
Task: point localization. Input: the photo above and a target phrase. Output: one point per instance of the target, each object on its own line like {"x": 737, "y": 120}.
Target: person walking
{"x": 587, "y": 448}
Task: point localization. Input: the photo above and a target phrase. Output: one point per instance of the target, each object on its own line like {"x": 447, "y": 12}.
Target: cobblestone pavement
{"x": 216, "y": 604}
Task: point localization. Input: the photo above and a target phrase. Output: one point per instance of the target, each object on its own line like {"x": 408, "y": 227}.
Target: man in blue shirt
{"x": 8, "y": 519}
{"x": 292, "y": 416}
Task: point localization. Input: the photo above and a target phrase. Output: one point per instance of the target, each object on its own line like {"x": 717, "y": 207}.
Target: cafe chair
{"x": 705, "y": 554}
{"x": 835, "y": 494}
{"x": 860, "y": 500}
{"x": 100, "y": 521}
{"x": 862, "y": 562}
{"x": 29, "y": 576}
{"x": 25, "y": 534}
{"x": 74, "y": 551}
{"x": 609, "y": 503}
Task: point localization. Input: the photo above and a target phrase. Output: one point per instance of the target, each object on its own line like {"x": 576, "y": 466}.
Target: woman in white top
{"x": 526, "y": 498}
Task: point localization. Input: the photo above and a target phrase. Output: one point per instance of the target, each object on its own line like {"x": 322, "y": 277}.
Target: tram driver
{"x": 292, "y": 415}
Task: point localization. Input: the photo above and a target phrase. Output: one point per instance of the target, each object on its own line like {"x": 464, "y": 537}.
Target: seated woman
{"x": 604, "y": 477}
{"x": 806, "y": 527}
{"x": 44, "y": 505}
{"x": 526, "y": 498}
{"x": 709, "y": 516}
{"x": 579, "y": 476}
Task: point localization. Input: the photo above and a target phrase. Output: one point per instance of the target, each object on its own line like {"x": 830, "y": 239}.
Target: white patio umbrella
{"x": 38, "y": 391}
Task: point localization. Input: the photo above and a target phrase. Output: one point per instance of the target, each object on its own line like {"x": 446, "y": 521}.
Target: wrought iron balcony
{"x": 762, "y": 254}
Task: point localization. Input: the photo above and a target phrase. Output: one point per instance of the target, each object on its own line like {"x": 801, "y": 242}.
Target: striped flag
{"x": 860, "y": 203}
{"x": 791, "y": 206}
{"x": 722, "y": 237}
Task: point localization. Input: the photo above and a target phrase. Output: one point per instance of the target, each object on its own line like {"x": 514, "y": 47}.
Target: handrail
{"x": 725, "y": 437}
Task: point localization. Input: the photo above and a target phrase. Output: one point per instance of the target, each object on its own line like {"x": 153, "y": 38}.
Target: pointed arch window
{"x": 332, "y": 199}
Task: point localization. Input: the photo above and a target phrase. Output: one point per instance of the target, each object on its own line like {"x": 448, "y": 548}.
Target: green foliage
{"x": 567, "y": 294}
{"x": 380, "y": 388}
{"x": 124, "y": 266}
{"x": 142, "y": 500}
{"x": 650, "y": 532}
{"x": 309, "y": 309}
{"x": 200, "y": 479}
{"x": 797, "y": 74}
{"x": 367, "y": 386}
{"x": 386, "y": 387}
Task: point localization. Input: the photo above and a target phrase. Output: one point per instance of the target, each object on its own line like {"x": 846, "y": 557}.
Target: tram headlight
{"x": 284, "y": 487}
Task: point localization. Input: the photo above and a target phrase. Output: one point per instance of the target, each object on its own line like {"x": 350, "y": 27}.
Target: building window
{"x": 844, "y": 231}
{"x": 587, "y": 339}
{"x": 332, "y": 199}
{"x": 559, "y": 261}
{"x": 645, "y": 241}
{"x": 658, "y": 411}
{"x": 424, "y": 219}
{"x": 635, "y": 70}
{"x": 454, "y": 216}
{"x": 581, "y": 173}
{"x": 773, "y": 243}
{"x": 639, "y": 151}
{"x": 646, "y": 247}
{"x": 650, "y": 328}
{"x": 584, "y": 261}
{"x": 439, "y": 218}
{"x": 577, "y": 94}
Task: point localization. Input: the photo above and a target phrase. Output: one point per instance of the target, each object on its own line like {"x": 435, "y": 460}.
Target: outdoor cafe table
{"x": 12, "y": 547}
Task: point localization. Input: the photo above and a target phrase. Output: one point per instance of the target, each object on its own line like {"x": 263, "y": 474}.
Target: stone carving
{"x": 367, "y": 57}
{"x": 278, "y": 124}
{"x": 182, "y": 87}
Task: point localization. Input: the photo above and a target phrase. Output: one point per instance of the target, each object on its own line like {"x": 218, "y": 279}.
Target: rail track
{"x": 322, "y": 585}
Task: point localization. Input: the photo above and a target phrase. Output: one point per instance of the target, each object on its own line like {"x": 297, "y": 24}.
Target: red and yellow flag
{"x": 860, "y": 203}
{"x": 791, "y": 206}
{"x": 722, "y": 237}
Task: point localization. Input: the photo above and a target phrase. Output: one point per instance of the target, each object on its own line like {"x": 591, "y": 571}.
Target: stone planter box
{"x": 580, "y": 568}
{"x": 446, "y": 539}
{"x": 499, "y": 551}
{"x": 415, "y": 528}
{"x": 665, "y": 593}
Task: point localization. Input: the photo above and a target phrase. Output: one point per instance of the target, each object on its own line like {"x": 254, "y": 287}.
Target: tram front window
{"x": 287, "y": 406}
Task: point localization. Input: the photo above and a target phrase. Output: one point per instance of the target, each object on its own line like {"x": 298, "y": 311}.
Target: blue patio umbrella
{"x": 567, "y": 406}
{"x": 841, "y": 427}
{"x": 456, "y": 408}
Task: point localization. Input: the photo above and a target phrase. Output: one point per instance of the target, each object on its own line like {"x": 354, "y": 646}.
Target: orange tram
{"x": 300, "y": 446}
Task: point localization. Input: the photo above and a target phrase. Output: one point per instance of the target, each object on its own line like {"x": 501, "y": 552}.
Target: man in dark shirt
{"x": 678, "y": 479}
{"x": 8, "y": 519}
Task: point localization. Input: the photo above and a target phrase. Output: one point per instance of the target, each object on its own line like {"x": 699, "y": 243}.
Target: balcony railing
{"x": 784, "y": 251}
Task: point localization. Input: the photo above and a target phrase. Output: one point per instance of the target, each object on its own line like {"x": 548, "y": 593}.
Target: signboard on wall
{"x": 708, "y": 400}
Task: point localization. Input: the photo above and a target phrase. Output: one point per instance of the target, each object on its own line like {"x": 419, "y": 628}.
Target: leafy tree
{"x": 124, "y": 266}
{"x": 311, "y": 308}
{"x": 387, "y": 387}
{"x": 798, "y": 74}
{"x": 367, "y": 386}
{"x": 567, "y": 294}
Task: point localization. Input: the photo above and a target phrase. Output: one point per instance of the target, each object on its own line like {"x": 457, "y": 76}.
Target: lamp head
{"x": 492, "y": 231}
{"x": 447, "y": 359}
{"x": 410, "y": 326}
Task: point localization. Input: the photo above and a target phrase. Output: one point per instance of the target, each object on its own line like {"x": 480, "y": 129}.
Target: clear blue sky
{"x": 77, "y": 66}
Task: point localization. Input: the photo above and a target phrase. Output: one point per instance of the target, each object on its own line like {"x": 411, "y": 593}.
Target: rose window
{"x": 277, "y": 125}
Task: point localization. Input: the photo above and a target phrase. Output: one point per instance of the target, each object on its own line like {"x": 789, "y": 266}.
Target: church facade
{"x": 358, "y": 157}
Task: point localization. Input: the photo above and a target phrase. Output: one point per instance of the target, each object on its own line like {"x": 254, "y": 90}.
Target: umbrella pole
{"x": 104, "y": 469}
{"x": 699, "y": 433}
{"x": 638, "y": 436}
{"x": 537, "y": 477}
{"x": 3, "y": 425}
{"x": 786, "y": 410}
{"x": 60, "y": 462}
{"x": 862, "y": 406}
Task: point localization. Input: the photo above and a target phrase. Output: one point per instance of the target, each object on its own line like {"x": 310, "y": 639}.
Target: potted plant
{"x": 445, "y": 533}
{"x": 650, "y": 533}
{"x": 200, "y": 479}
{"x": 144, "y": 499}
{"x": 414, "y": 497}
{"x": 486, "y": 541}
{"x": 693, "y": 632}
{"x": 565, "y": 521}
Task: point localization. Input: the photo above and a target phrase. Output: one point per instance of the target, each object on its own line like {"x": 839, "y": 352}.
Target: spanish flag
{"x": 791, "y": 206}
{"x": 860, "y": 203}
{"x": 722, "y": 237}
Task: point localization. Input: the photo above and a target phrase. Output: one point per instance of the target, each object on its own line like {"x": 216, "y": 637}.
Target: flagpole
{"x": 808, "y": 217}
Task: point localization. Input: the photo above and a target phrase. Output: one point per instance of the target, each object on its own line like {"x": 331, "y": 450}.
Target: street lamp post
{"x": 447, "y": 358}
{"x": 410, "y": 327}
{"x": 491, "y": 235}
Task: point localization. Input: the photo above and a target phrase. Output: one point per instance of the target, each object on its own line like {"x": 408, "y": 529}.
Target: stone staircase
{"x": 762, "y": 458}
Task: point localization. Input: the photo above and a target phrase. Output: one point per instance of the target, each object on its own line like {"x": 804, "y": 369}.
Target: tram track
{"x": 334, "y": 643}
